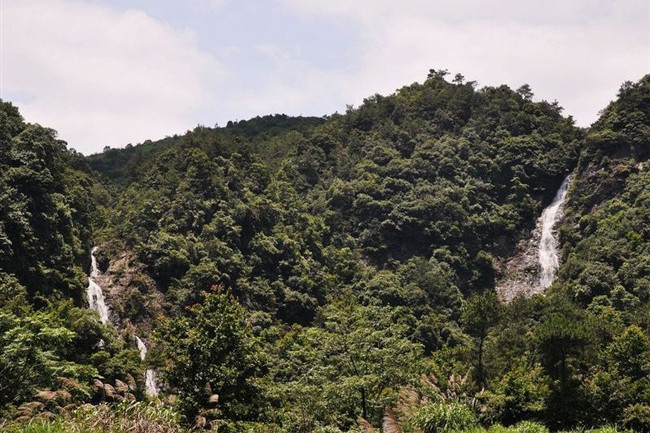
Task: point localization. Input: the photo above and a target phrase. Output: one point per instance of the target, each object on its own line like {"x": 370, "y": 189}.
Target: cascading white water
{"x": 150, "y": 375}
{"x": 547, "y": 253}
{"x": 533, "y": 266}
{"x": 97, "y": 302}
{"x": 95, "y": 295}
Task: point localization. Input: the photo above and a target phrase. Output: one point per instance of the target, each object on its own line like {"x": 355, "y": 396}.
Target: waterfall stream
{"x": 150, "y": 375}
{"x": 96, "y": 299}
{"x": 97, "y": 302}
{"x": 533, "y": 266}
{"x": 548, "y": 259}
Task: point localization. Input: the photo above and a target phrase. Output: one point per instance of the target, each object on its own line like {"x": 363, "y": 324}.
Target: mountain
{"x": 435, "y": 168}
{"x": 123, "y": 165}
{"x": 296, "y": 274}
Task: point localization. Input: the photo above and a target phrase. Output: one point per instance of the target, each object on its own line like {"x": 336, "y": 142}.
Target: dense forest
{"x": 335, "y": 274}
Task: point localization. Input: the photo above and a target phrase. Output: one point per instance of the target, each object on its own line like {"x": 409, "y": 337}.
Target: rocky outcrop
{"x": 129, "y": 292}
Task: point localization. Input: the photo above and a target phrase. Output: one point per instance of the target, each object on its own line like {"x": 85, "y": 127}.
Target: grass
{"x": 141, "y": 417}
{"x": 128, "y": 417}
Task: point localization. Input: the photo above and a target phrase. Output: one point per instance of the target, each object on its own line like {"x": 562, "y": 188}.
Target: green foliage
{"x": 133, "y": 417}
{"x": 630, "y": 353}
{"x": 358, "y": 252}
{"x": 444, "y": 418}
{"x": 211, "y": 354}
{"x": 637, "y": 417}
{"x": 44, "y": 209}
{"x": 480, "y": 313}
{"x": 607, "y": 229}
{"x": 125, "y": 165}
{"x": 351, "y": 365}
{"x": 46, "y": 214}
{"x": 520, "y": 394}
{"x": 37, "y": 347}
{"x": 606, "y": 255}
{"x": 413, "y": 178}
{"x": 530, "y": 427}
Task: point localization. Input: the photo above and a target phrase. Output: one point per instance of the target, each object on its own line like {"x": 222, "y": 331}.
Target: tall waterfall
{"x": 150, "y": 375}
{"x": 97, "y": 302}
{"x": 96, "y": 299}
{"x": 533, "y": 267}
{"x": 548, "y": 259}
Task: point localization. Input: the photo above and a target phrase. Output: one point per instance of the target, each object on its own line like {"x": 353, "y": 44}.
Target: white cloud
{"x": 576, "y": 52}
{"x": 103, "y": 76}
{"x": 99, "y": 76}
{"x": 287, "y": 85}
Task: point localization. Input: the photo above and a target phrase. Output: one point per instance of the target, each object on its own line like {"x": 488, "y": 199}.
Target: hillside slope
{"x": 321, "y": 275}
{"x": 48, "y": 337}
{"x": 438, "y": 177}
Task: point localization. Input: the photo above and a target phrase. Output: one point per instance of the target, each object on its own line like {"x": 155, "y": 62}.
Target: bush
{"x": 498, "y": 428}
{"x": 132, "y": 417}
{"x": 327, "y": 429}
{"x": 445, "y": 417}
{"x": 637, "y": 418}
{"x": 530, "y": 427}
{"x": 608, "y": 429}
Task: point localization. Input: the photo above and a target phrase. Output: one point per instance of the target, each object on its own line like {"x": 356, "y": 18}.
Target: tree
{"x": 480, "y": 313}
{"x": 458, "y": 79}
{"x": 562, "y": 338}
{"x": 211, "y": 355}
{"x": 37, "y": 347}
{"x": 623, "y": 379}
{"x": 629, "y": 353}
{"x": 352, "y": 365}
{"x": 525, "y": 92}
{"x": 369, "y": 354}
{"x": 440, "y": 73}
{"x": 520, "y": 394}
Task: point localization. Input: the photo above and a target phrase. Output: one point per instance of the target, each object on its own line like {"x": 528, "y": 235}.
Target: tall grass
{"x": 140, "y": 417}
{"x": 445, "y": 418}
{"x": 131, "y": 417}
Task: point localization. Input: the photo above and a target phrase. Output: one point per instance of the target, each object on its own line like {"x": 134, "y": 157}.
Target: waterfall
{"x": 96, "y": 299}
{"x": 533, "y": 266}
{"x": 150, "y": 375}
{"x": 547, "y": 253}
{"x": 97, "y": 302}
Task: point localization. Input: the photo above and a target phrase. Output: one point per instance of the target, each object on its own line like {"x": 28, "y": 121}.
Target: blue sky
{"x": 112, "y": 72}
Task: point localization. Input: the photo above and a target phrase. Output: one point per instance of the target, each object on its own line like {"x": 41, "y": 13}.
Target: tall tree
{"x": 212, "y": 357}
{"x": 480, "y": 314}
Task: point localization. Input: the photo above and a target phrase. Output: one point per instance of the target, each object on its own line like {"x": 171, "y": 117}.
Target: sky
{"x": 113, "y": 72}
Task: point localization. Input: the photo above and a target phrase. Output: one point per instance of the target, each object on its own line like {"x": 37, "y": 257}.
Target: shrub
{"x": 608, "y": 429}
{"x": 637, "y": 418}
{"x": 131, "y": 417}
{"x": 530, "y": 427}
{"x": 445, "y": 417}
{"x": 327, "y": 429}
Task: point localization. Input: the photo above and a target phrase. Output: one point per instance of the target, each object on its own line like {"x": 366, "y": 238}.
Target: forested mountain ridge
{"x": 391, "y": 180}
{"x": 350, "y": 256}
{"x": 124, "y": 165}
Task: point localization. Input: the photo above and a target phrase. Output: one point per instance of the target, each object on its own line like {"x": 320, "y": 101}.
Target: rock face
{"x": 521, "y": 276}
{"x": 532, "y": 269}
{"x": 129, "y": 292}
